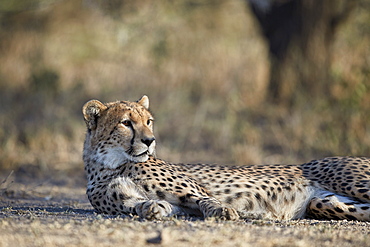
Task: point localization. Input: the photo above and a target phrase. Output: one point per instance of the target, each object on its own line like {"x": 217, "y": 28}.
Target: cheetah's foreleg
{"x": 129, "y": 198}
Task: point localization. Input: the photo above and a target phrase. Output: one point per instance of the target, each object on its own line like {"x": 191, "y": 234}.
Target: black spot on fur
{"x": 330, "y": 211}
{"x": 160, "y": 194}
{"x": 350, "y": 217}
{"x": 339, "y": 210}
{"x": 238, "y": 195}
{"x": 273, "y": 197}
{"x": 182, "y": 199}
{"x": 258, "y": 196}
{"x": 315, "y": 211}
{"x": 114, "y": 195}
{"x": 363, "y": 190}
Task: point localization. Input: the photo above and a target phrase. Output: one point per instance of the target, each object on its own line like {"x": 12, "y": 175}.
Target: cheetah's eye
{"x": 149, "y": 122}
{"x": 126, "y": 123}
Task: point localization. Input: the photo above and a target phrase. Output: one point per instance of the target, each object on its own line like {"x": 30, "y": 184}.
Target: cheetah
{"x": 125, "y": 177}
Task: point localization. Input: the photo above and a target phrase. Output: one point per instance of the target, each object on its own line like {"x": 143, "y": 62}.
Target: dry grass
{"x": 39, "y": 230}
{"x": 204, "y": 66}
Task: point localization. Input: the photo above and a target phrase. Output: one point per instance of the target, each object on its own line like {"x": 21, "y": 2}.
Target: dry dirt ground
{"x": 53, "y": 210}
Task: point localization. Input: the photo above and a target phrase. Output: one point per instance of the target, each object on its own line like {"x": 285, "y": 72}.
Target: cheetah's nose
{"x": 148, "y": 141}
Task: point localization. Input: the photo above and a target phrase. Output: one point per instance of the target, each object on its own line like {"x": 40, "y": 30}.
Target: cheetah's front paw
{"x": 152, "y": 209}
{"x": 223, "y": 213}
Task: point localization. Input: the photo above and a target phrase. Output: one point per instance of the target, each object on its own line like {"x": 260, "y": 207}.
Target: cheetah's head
{"x": 118, "y": 132}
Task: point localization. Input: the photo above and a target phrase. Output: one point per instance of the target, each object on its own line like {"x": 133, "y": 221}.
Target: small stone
{"x": 156, "y": 240}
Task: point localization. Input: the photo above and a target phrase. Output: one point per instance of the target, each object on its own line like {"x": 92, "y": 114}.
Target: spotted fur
{"x": 124, "y": 177}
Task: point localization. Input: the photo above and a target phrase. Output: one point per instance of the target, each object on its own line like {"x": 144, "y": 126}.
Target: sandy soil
{"x": 54, "y": 211}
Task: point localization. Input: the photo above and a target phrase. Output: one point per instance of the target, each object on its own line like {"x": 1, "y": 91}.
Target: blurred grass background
{"x": 205, "y": 65}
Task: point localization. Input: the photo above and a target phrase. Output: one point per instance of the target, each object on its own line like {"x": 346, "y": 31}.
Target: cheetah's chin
{"x": 142, "y": 154}
{"x": 140, "y": 158}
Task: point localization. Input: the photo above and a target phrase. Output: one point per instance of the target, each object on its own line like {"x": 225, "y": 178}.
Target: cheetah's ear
{"x": 92, "y": 110}
{"x": 144, "y": 101}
